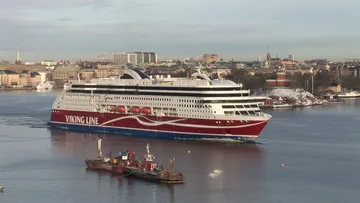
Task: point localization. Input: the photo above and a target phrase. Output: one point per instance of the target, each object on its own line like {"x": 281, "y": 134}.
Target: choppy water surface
{"x": 319, "y": 146}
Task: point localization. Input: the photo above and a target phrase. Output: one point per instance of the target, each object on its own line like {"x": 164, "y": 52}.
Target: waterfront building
{"x": 292, "y": 57}
{"x": 209, "y": 58}
{"x": 49, "y": 63}
{"x": 279, "y": 82}
{"x": 135, "y": 58}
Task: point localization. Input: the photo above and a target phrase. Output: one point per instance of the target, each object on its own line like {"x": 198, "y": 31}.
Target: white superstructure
{"x": 189, "y": 108}
{"x": 212, "y": 98}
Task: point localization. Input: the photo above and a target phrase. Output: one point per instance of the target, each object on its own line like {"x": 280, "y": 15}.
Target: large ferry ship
{"x": 162, "y": 107}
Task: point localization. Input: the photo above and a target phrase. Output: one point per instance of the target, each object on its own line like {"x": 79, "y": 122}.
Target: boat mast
{"x": 148, "y": 156}
{"x": 172, "y": 160}
{"x": 99, "y": 155}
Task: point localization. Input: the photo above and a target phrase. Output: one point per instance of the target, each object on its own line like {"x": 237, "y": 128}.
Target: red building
{"x": 280, "y": 81}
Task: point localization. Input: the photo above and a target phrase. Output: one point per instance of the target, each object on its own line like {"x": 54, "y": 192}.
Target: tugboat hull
{"x": 98, "y": 165}
{"x": 141, "y": 174}
{"x": 154, "y": 176}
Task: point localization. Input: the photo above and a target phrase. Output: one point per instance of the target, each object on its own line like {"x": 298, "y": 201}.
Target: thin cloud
{"x": 179, "y": 27}
{"x": 66, "y": 19}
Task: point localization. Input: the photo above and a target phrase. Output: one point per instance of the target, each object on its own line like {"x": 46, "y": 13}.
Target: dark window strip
{"x": 160, "y": 88}
{"x": 155, "y": 93}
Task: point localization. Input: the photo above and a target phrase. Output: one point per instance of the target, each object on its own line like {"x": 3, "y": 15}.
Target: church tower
{"x": 18, "y": 59}
{"x": 268, "y": 58}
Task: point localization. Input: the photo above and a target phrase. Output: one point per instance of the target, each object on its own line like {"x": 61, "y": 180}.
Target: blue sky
{"x": 242, "y": 29}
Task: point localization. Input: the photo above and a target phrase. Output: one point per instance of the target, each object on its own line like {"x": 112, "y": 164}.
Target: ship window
{"x": 244, "y": 113}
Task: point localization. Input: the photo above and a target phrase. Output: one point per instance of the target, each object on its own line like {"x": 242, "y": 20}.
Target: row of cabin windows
{"x": 71, "y": 108}
{"x": 239, "y": 106}
{"x": 144, "y": 98}
{"x": 158, "y": 99}
{"x": 154, "y": 99}
{"x": 163, "y": 99}
{"x": 198, "y": 111}
{"x": 75, "y": 104}
{"x": 241, "y": 112}
{"x": 195, "y": 116}
{"x": 168, "y": 104}
{"x": 155, "y": 109}
{"x": 166, "y": 113}
{"x": 82, "y": 96}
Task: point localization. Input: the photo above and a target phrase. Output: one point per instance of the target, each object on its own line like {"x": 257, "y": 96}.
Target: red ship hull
{"x": 98, "y": 165}
{"x": 156, "y": 126}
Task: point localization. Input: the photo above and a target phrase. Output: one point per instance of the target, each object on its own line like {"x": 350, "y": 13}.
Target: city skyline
{"x": 79, "y": 29}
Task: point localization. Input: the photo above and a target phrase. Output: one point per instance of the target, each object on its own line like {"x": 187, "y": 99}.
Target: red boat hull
{"x": 97, "y": 165}
{"x": 156, "y": 126}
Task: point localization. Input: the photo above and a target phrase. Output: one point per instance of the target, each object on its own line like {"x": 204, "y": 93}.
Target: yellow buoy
{"x": 282, "y": 165}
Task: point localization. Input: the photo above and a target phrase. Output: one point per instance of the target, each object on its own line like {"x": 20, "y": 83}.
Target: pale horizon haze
{"x": 242, "y": 29}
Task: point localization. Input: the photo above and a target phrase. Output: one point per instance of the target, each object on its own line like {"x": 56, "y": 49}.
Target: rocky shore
{"x": 291, "y": 98}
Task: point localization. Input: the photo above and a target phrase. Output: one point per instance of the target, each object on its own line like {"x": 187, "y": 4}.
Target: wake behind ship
{"x": 173, "y": 108}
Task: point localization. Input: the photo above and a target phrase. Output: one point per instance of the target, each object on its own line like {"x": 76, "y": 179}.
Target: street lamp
{"x": 312, "y": 80}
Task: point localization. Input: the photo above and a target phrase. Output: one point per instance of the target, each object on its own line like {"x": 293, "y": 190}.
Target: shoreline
{"x": 23, "y": 89}
{"x": 290, "y": 107}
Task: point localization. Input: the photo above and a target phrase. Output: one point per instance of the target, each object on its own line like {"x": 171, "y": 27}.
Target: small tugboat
{"x": 106, "y": 163}
{"x": 150, "y": 170}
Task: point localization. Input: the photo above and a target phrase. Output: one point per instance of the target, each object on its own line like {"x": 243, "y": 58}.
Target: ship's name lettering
{"x": 82, "y": 120}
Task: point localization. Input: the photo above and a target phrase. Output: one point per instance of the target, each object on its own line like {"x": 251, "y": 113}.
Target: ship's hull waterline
{"x": 159, "y": 127}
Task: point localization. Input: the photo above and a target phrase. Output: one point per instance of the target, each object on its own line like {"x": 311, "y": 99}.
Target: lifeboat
{"x": 135, "y": 109}
{"x": 112, "y": 109}
{"x": 146, "y": 110}
{"x": 120, "y": 109}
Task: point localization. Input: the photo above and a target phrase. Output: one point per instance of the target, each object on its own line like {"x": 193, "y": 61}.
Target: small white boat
{"x": 281, "y": 105}
{"x": 351, "y": 94}
{"x": 66, "y": 86}
{"x": 44, "y": 86}
{"x": 1, "y": 188}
